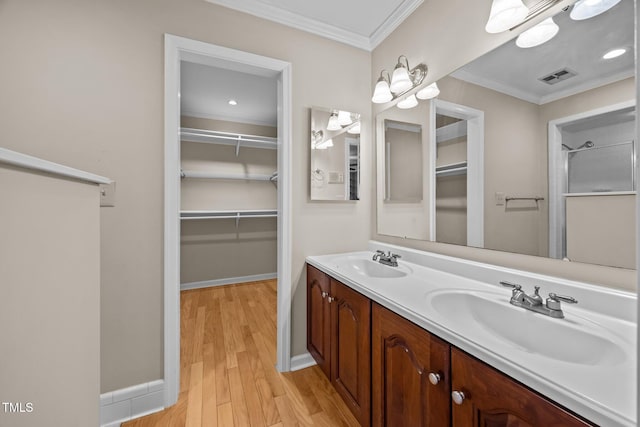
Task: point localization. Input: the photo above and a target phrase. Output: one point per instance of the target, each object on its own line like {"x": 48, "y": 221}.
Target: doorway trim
{"x": 475, "y": 168}
{"x": 178, "y": 49}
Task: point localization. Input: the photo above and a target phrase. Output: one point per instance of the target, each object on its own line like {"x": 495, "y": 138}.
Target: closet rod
{"x": 227, "y": 138}
{"x": 214, "y": 175}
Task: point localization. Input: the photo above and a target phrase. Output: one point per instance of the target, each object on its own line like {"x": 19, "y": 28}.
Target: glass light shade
{"x": 505, "y": 14}
{"x": 381, "y": 93}
{"x": 585, "y": 9}
{"x": 428, "y": 92}
{"x": 325, "y": 144}
{"x": 333, "y": 124}
{"x": 344, "y": 118}
{"x": 541, "y": 33}
{"x": 400, "y": 80}
{"x": 408, "y": 102}
{"x": 355, "y": 129}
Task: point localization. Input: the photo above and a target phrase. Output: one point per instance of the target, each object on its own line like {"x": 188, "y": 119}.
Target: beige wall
{"x": 214, "y": 249}
{"x": 50, "y": 304}
{"x": 431, "y": 35}
{"x": 82, "y": 84}
{"x": 403, "y": 152}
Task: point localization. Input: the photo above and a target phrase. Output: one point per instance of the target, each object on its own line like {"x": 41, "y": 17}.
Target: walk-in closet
{"x": 228, "y": 161}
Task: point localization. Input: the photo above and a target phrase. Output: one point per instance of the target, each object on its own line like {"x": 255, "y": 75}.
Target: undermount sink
{"x": 575, "y": 340}
{"x": 373, "y": 269}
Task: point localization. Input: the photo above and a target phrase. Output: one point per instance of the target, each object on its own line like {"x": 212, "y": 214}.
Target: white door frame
{"x": 176, "y": 50}
{"x": 557, "y": 174}
{"x": 475, "y": 168}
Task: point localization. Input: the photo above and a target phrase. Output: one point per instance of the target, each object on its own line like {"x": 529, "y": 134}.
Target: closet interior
{"x": 451, "y": 179}
{"x": 228, "y": 162}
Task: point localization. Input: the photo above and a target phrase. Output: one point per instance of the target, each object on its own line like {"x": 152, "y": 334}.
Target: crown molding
{"x": 294, "y": 20}
{"x": 393, "y": 21}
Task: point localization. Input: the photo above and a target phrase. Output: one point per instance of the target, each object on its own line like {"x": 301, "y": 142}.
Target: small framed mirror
{"x": 335, "y": 154}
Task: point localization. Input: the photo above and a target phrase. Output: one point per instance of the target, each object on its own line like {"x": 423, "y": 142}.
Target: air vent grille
{"x": 558, "y": 76}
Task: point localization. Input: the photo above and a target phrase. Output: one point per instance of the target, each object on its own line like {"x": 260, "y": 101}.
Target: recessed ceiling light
{"x": 233, "y": 102}
{"x": 614, "y": 53}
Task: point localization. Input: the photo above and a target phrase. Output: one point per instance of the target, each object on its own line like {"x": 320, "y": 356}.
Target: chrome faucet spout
{"x": 534, "y": 302}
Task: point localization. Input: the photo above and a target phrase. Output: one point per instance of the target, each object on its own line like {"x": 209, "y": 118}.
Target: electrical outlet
{"x": 500, "y": 199}
{"x": 108, "y": 195}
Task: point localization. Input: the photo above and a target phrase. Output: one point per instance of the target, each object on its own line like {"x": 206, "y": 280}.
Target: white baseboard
{"x": 302, "y": 361}
{"x": 132, "y": 402}
{"x": 228, "y": 281}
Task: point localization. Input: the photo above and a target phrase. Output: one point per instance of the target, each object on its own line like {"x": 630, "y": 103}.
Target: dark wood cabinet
{"x": 492, "y": 399}
{"x": 391, "y": 372}
{"x": 318, "y": 318}
{"x": 339, "y": 339}
{"x": 403, "y": 357}
{"x": 351, "y": 349}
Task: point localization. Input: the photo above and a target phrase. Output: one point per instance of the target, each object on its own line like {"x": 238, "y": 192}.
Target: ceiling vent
{"x": 558, "y": 76}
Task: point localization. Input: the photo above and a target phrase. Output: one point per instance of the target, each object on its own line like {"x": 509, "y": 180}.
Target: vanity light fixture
{"x": 333, "y": 124}
{"x": 344, "y": 118}
{"x": 354, "y": 129}
{"x": 505, "y": 14}
{"x": 428, "y": 92}
{"x": 539, "y": 34}
{"x": 404, "y": 79}
{"x": 409, "y": 102}
{"x": 614, "y": 53}
{"x": 509, "y": 14}
{"x": 585, "y": 9}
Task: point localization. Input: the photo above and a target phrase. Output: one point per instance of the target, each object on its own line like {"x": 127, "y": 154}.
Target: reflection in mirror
{"x": 403, "y": 161}
{"x": 559, "y": 150}
{"x": 335, "y": 155}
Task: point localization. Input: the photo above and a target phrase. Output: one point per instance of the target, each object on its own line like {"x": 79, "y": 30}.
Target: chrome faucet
{"x": 551, "y": 307}
{"x": 386, "y": 258}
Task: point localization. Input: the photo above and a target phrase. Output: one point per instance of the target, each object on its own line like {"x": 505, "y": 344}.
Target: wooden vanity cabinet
{"x": 403, "y": 358}
{"x": 492, "y": 399}
{"x": 380, "y": 364}
{"x": 318, "y": 318}
{"x": 339, "y": 339}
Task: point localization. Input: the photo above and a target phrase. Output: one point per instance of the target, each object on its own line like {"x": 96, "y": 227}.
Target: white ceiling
{"x": 360, "y": 23}
{"x": 205, "y": 91}
{"x": 578, "y": 46}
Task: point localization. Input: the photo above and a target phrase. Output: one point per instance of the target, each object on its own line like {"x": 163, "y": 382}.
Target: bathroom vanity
{"x": 435, "y": 342}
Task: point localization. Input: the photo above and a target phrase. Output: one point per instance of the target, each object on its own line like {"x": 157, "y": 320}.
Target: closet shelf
{"x": 216, "y": 175}
{"x": 227, "y": 138}
{"x": 452, "y": 169}
{"x": 190, "y": 215}
{"x": 451, "y": 131}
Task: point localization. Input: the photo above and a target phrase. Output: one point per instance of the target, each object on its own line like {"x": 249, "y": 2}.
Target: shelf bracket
{"x": 238, "y": 145}
{"x": 237, "y": 220}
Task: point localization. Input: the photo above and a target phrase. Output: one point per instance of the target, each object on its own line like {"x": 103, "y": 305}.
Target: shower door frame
{"x": 557, "y": 175}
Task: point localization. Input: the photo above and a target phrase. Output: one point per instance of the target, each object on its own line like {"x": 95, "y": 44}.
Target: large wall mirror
{"x": 335, "y": 154}
{"x": 546, "y": 167}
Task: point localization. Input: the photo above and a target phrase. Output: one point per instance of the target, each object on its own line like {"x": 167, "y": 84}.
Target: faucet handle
{"x": 396, "y": 256}
{"x": 553, "y": 302}
{"x": 514, "y": 286}
{"x": 380, "y": 252}
{"x": 558, "y": 298}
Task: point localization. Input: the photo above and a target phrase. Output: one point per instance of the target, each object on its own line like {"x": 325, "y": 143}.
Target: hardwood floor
{"x": 227, "y": 373}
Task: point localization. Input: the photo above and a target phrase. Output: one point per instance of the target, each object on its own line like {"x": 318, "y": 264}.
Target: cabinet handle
{"x": 434, "y": 378}
{"x": 458, "y": 397}
{"x": 330, "y": 299}
{"x": 324, "y": 295}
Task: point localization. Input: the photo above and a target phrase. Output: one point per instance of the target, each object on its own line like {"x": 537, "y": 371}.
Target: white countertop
{"x": 602, "y": 393}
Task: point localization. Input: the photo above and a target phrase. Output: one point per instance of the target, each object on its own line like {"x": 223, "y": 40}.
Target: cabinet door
{"x": 492, "y": 399}
{"x": 351, "y": 349}
{"x": 403, "y": 357}
{"x": 318, "y": 318}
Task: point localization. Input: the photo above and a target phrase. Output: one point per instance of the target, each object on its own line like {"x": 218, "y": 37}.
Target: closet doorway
{"x": 227, "y": 185}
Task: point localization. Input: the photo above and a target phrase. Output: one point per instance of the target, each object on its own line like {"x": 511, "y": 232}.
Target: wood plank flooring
{"x": 227, "y": 373}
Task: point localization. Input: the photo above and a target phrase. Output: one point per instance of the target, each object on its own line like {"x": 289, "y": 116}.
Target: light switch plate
{"x": 500, "y": 199}
{"x": 108, "y": 195}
